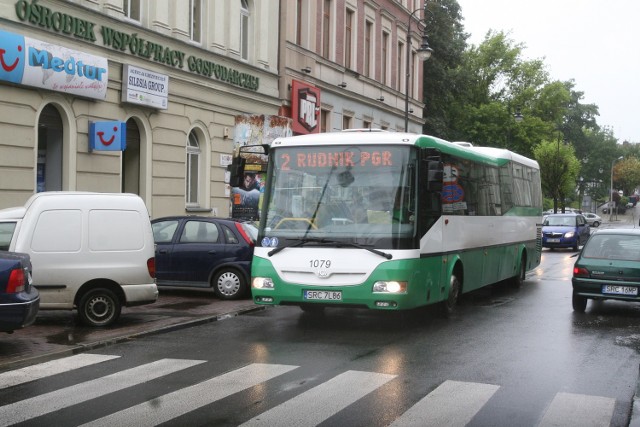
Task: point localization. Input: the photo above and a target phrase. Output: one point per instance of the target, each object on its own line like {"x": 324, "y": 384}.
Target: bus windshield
{"x": 361, "y": 194}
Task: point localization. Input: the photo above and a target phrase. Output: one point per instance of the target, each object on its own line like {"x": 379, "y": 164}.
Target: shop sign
{"x": 305, "y": 107}
{"x": 130, "y": 43}
{"x": 32, "y": 62}
{"x": 107, "y": 136}
{"x": 144, "y": 87}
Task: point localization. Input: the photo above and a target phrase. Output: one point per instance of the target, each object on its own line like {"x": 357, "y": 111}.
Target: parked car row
{"x": 99, "y": 252}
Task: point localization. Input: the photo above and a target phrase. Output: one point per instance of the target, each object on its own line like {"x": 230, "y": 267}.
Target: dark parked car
{"x": 568, "y": 230}
{"x": 197, "y": 251}
{"x": 19, "y": 299}
{"x": 608, "y": 267}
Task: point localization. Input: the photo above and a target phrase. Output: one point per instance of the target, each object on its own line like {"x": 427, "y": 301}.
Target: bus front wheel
{"x": 449, "y": 305}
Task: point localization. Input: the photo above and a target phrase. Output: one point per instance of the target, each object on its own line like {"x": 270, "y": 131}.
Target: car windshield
{"x": 613, "y": 246}
{"x": 560, "y": 220}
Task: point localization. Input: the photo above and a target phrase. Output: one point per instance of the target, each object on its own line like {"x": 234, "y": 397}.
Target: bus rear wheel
{"x": 450, "y": 304}
{"x": 518, "y": 280}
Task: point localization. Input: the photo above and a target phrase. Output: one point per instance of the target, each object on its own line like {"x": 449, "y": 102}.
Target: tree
{"x": 559, "y": 169}
{"x": 441, "y": 85}
{"x": 626, "y": 174}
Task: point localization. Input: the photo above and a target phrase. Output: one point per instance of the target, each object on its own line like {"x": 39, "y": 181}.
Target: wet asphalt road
{"x": 528, "y": 344}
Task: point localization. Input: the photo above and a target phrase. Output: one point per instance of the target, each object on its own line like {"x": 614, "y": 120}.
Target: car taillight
{"x": 580, "y": 272}
{"x": 151, "y": 266}
{"x": 17, "y": 280}
{"x": 244, "y": 234}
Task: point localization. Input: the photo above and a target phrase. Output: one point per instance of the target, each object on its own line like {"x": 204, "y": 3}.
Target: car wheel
{"x": 518, "y": 280}
{"x": 99, "y": 307}
{"x": 579, "y": 303}
{"x": 450, "y": 304}
{"x": 229, "y": 284}
{"x": 596, "y": 224}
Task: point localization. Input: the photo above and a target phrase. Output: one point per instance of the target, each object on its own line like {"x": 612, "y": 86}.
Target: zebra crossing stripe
{"x": 62, "y": 398}
{"x": 579, "y": 410}
{"x": 316, "y": 405}
{"x": 43, "y": 370}
{"x": 180, "y": 402}
{"x": 453, "y": 403}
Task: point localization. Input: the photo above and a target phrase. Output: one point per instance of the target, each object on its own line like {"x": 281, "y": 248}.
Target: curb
{"x": 634, "y": 419}
{"x": 81, "y": 348}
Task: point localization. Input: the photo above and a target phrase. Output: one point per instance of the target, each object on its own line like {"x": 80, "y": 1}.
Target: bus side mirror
{"x": 435, "y": 173}
{"x": 236, "y": 169}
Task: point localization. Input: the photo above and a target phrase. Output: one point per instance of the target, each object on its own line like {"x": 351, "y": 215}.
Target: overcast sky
{"x": 596, "y": 43}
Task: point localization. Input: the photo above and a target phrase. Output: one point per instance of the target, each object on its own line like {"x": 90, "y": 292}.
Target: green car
{"x": 608, "y": 267}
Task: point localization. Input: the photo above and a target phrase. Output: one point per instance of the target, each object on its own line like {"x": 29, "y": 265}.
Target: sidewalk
{"x": 59, "y": 333}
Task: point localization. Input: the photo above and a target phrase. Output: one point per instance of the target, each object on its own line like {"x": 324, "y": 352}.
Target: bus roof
{"x": 488, "y": 155}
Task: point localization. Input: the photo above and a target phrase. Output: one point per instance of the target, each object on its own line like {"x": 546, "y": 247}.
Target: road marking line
{"x": 579, "y": 410}
{"x": 319, "y": 403}
{"x": 453, "y": 403}
{"x": 62, "y": 398}
{"x": 180, "y": 402}
{"x": 54, "y": 367}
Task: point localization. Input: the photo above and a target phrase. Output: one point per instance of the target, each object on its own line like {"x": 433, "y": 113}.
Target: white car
{"x": 593, "y": 219}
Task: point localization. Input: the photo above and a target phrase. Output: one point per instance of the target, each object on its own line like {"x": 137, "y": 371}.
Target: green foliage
{"x": 471, "y": 93}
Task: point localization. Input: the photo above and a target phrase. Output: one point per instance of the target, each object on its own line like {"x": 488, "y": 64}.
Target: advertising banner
{"x": 144, "y": 87}
{"x": 107, "y": 136}
{"x": 305, "y": 108}
{"x": 35, "y": 63}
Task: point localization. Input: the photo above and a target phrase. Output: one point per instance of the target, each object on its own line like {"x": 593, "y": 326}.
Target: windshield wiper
{"x": 338, "y": 244}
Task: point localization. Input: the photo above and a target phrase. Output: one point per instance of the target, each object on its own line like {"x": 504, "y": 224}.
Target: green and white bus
{"x": 392, "y": 221}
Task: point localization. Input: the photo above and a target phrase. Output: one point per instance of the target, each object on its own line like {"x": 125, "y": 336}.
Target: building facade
{"x": 143, "y": 96}
{"x": 174, "y": 74}
{"x": 354, "y": 53}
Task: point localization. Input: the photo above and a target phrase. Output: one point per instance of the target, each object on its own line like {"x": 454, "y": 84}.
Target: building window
{"x": 193, "y": 170}
{"x": 399, "y": 67}
{"x": 367, "y": 48}
{"x": 346, "y": 122}
{"x": 384, "y": 57}
{"x": 324, "y": 120}
{"x": 299, "y": 22}
{"x": 132, "y": 9}
{"x": 348, "y": 38}
{"x": 195, "y": 20}
{"x": 244, "y": 30}
{"x": 326, "y": 28}
{"x": 414, "y": 76}
{"x": 366, "y": 124}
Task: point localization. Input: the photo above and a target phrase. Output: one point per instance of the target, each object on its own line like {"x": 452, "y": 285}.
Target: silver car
{"x": 593, "y": 219}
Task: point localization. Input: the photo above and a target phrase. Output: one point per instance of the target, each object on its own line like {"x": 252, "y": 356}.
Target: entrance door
{"x": 131, "y": 160}
{"x": 49, "y": 165}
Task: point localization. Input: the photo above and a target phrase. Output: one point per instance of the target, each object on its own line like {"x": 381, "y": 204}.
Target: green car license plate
{"x": 619, "y": 290}
{"x": 323, "y": 295}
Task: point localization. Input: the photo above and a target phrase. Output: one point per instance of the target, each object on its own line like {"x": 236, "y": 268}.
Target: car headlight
{"x": 390, "y": 287}
{"x": 262, "y": 283}
{"x": 569, "y": 234}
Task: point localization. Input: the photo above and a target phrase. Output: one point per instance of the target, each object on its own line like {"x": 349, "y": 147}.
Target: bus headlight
{"x": 390, "y": 287}
{"x": 262, "y": 283}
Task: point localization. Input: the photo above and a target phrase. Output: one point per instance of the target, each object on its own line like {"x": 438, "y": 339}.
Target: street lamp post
{"x": 611, "y": 190}
{"x": 423, "y": 52}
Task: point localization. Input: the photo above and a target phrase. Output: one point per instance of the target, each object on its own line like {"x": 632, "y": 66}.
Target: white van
{"x": 90, "y": 251}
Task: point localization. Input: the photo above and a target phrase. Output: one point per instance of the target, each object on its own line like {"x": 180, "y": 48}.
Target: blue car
{"x": 569, "y": 230}
{"x": 19, "y": 299}
{"x": 199, "y": 251}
